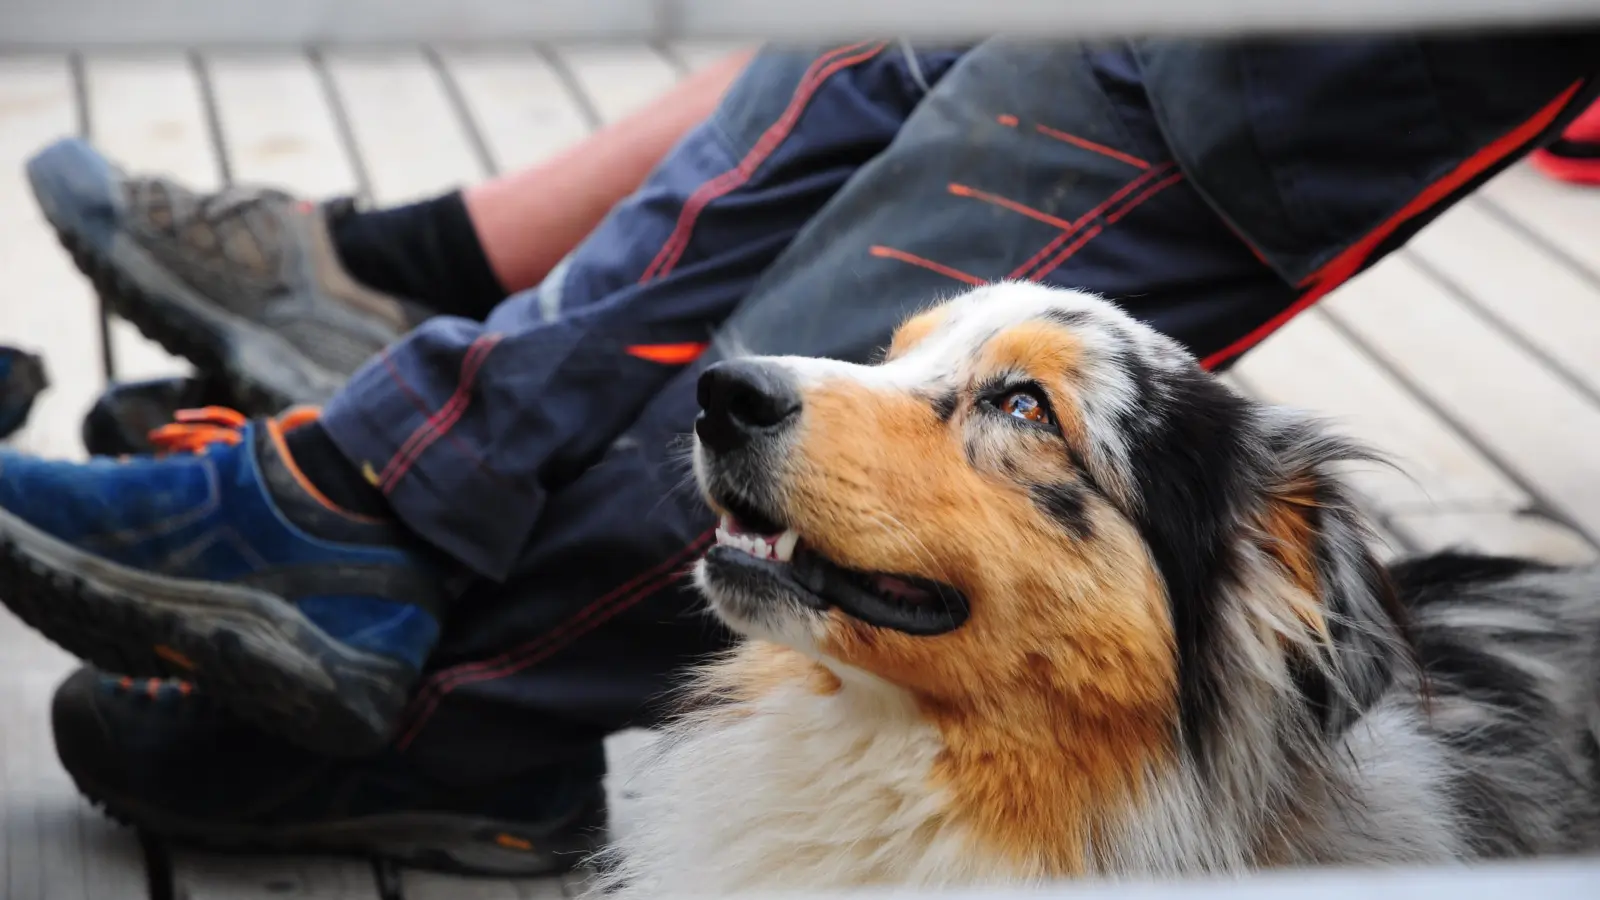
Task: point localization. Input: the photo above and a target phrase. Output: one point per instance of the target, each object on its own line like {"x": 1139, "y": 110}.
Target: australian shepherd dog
{"x": 1036, "y": 597}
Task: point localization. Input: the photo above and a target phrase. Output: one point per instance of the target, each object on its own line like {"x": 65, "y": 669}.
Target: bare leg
{"x": 528, "y": 220}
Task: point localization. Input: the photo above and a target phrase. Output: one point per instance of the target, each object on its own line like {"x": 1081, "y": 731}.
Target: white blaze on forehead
{"x": 1105, "y": 389}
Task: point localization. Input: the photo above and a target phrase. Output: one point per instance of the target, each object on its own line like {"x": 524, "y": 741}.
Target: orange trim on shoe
{"x": 293, "y": 419}
{"x": 191, "y": 430}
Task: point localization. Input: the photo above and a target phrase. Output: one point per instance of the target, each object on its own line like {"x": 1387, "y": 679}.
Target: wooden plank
{"x": 519, "y": 104}
{"x": 419, "y": 885}
{"x": 408, "y": 135}
{"x": 53, "y": 846}
{"x": 700, "y": 54}
{"x": 208, "y": 876}
{"x": 1506, "y": 532}
{"x": 1563, "y": 215}
{"x": 146, "y": 114}
{"x": 1519, "y": 412}
{"x": 625, "y": 751}
{"x": 617, "y": 78}
{"x": 1309, "y": 364}
{"x": 276, "y": 125}
{"x": 1512, "y": 278}
{"x": 45, "y": 305}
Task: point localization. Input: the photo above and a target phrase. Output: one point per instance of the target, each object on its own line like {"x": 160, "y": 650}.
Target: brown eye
{"x": 1025, "y": 405}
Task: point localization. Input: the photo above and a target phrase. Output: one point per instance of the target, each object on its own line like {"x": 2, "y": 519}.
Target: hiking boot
{"x": 22, "y": 380}
{"x": 164, "y": 757}
{"x": 220, "y": 563}
{"x": 121, "y": 421}
{"x": 243, "y": 282}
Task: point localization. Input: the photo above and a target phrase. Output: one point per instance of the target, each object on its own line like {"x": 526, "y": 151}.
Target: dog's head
{"x": 1039, "y": 507}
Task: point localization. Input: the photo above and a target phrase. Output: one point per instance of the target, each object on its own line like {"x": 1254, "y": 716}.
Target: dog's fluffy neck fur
{"x": 797, "y": 785}
{"x": 823, "y": 778}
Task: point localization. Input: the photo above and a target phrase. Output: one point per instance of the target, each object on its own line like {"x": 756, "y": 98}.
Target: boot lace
{"x": 193, "y": 430}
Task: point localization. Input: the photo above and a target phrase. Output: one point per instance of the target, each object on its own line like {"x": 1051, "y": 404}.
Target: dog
{"x": 1036, "y": 597}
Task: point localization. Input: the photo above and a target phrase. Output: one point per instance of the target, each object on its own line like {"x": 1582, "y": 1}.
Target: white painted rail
{"x": 1564, "y": 880}
{"x": 123, "y": 23}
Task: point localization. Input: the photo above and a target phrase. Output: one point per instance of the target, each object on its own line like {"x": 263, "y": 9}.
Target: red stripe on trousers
{"x": 1355, "y": 257}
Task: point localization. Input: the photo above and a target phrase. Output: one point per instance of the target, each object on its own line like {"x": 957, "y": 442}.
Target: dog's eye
{"x": 1026, "y": 405}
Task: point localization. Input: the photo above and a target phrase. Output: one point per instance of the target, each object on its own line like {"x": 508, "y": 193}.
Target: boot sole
{"x": 250, "y": 649}
{"x": 265, "y": 371}
{"x": 444, "y": 842}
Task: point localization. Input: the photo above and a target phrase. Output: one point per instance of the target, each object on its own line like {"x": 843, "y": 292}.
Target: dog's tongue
{"x": 900, "y": 589}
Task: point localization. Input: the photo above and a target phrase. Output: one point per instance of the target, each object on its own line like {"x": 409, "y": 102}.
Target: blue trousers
{"x": 1213, "y": 189}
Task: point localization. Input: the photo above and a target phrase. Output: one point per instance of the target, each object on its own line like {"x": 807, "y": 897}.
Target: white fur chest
{"x": 796, "y": 788}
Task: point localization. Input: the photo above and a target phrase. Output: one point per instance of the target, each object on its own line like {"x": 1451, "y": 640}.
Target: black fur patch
{"x": 1189, "y": 465}
{"x": 1484, "y": 804}
{"x": 944, "y": 405}
{"x": 1069, "y": 318}
{"x": 1442, "y": 576}
{"x": 1067, "y": 504}
{"x": 1457, "y": 667}
{"x": 1368, "y": 661}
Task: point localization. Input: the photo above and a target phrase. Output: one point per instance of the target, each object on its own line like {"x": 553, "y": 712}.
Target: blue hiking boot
{"x": 164, "y": 757}
{"x": 220, "y": 563}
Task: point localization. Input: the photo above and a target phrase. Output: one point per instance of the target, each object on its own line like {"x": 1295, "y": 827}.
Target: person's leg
{"x": 282, "y": 590}
{"x": 528, "y": 220}
{"x": 283, "y": 299}
{"x": 466, "y": 427}
{"x": 461, "y": 254}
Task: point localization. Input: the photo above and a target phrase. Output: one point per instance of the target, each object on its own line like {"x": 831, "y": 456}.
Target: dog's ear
{"x": 1216, "y": 472}
{"x": 1350, "y": 631}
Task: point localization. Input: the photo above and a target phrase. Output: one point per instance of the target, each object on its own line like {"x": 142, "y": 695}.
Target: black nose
{"x": 741, "y": 400}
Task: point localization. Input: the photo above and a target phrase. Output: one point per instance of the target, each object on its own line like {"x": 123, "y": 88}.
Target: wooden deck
{"x": 1473, "y": 357}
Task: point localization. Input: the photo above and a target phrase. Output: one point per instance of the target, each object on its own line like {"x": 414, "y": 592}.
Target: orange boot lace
{"x": 193, "y": 430}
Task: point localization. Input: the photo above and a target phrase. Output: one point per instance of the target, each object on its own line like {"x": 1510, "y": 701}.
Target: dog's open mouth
{"x": 751, "y": 546}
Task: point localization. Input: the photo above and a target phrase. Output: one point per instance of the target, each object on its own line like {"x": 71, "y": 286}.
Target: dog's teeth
{"x": 723, "y": 537}
{"x": 783, "y": 548}
{"x": 726, "y": 525}
{"x": 759, "y": 549}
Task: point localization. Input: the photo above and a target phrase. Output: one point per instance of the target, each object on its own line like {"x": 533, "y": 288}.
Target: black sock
{"x": 427, "y": 252}
{"x": 320, "y": 460}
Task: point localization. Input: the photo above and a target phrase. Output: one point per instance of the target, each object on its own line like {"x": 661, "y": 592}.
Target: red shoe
{"x": 1575, "y": 156}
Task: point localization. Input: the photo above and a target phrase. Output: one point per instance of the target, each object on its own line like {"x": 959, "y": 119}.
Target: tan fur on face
{"x": 913, "y": 330}
{"x": 1056, "y": 699}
